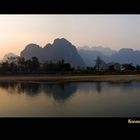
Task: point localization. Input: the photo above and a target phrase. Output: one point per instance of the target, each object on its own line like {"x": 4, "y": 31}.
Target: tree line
{"x": 114, "y": 68}
{"x": 20, "y": 65}
{"x": 111, "y": 67}
{"x": 15, "y": 65}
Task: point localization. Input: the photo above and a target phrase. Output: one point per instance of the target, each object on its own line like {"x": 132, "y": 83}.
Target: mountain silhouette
{"x": 60, "y": 49}
{"x": 81, "y": 56}
{"x": 103, "y": 50}
{"x": 124, "y": 55}
{"x": 89, "y": 56}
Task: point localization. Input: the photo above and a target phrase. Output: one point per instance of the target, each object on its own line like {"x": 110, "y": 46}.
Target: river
{"x": 78, "y": 99}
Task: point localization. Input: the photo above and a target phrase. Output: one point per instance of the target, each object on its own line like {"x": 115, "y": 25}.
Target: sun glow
{"x": 114, "y": 31}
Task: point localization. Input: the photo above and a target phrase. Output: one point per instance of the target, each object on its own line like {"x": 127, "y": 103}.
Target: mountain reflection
{"x": 126, "y": 86}
{"x": 60, "y": 92}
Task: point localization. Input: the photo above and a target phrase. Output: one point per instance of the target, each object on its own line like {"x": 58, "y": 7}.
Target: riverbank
{"x": 62, "y": 78}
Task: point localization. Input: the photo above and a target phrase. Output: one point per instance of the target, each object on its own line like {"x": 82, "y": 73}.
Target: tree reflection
{"x": 31, "y": 89}
{"x": 126, "y": 86}
{"x": 98, "y": 87}
{"x": 9, "y": 86}
{"x": 60, "y": 92}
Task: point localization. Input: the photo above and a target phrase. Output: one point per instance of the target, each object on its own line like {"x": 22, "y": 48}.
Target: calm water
{"x": 89, "y": 99}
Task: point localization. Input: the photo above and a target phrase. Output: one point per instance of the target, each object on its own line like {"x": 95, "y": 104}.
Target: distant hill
{"x": 89, "y": 56}
{"x": 81, "y": 56}
{"x": 103, "y": 50}
{"x": 60, "y": 49}
{"x": 6, "y": 56}
{"x": 127, "y": 55}
{"x": 124, "y": 55}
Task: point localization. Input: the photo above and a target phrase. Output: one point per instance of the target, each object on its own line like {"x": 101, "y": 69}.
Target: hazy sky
{"x": 113, "y": 31}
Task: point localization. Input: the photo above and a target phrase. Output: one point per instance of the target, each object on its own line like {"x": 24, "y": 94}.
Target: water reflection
{"x": 62, "y": 92}
{"x": 96, "y": 99}
{"x": 31, "y": 89}
{"x": 99, "y": 87}
{"x": 126, "y": 86}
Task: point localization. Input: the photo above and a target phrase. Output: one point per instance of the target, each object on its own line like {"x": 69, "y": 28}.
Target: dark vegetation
{"x": 18, "y": 65}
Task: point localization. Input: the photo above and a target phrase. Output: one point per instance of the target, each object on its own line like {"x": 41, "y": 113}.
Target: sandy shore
{"x": 55, "y": 79}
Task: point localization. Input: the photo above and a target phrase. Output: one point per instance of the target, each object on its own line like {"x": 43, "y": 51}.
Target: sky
{"x": 113, "y": 31}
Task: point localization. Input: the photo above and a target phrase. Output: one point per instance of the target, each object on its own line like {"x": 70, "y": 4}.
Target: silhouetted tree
{"x": 45, "y": 66}
{"x": 111, "y": 68}
{"x": 5, "y": 66}
{"x": 51, "y": 66}
{"x": 128, "y": 67}
{"x": 67, "y": 67}
{"x": 91, "y": 68}
{"x": 98, "y": 62}
{"x": 138, "y": 67}
{"x": 28, "y": 65}
{"x": 13, "y": 67}
{"x": 21, "y": 64}
{"x": 59, "y": 66}
{"x": 35, "y": 65}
